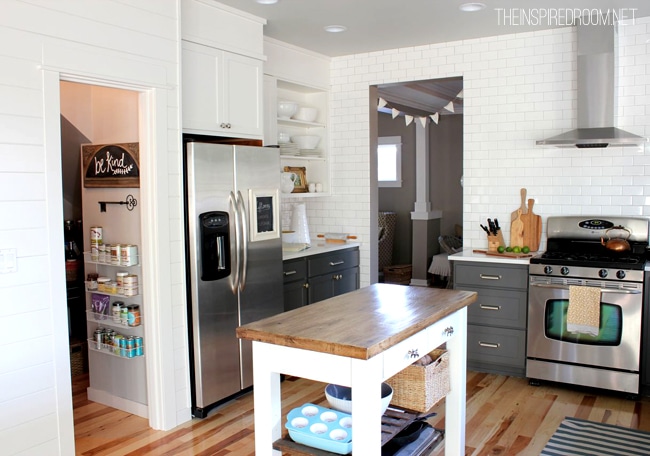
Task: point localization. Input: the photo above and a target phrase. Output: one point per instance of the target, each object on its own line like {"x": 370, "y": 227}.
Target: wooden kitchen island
{"x": 360, "y": 339}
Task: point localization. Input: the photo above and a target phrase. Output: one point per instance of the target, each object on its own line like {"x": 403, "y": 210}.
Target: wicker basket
{"x": 420, "y": 387}
{"x": 399, "y": 274}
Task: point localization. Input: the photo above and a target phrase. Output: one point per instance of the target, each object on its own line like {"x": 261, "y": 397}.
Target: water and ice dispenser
{"x": 215, "y": 245}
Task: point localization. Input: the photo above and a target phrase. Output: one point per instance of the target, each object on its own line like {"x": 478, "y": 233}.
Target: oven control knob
{"x": 564, "y": 270}
{"x": 620, "y": 274}
{"x": 602, "y": 273}
{"x": 548, "y": 270}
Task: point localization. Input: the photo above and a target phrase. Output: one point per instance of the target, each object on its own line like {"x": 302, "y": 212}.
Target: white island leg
{"x": 455, "y": 401}
{"x": 267, "y": 401}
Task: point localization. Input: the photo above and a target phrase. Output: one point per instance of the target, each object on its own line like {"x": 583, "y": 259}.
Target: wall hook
{"x": 130, "y": 203}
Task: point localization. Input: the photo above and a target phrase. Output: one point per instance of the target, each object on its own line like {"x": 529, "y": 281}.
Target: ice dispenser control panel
{"x": 215, "y": 245}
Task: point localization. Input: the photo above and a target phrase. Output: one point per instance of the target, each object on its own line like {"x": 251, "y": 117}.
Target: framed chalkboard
{"x": 265, "y": 212}
{"x": 111, "y": 165}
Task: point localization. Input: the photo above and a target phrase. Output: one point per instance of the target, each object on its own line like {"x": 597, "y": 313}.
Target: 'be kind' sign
{"x": 111, "y": 165}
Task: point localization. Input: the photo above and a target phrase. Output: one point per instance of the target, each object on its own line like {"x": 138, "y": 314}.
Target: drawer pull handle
{"x": 337, "y": 277}
{"x": 487, "y": 307}
{"x": 305, "y": 285}
{"x": 336, "y": 263}
{"x": 489, "y": 277}
{"x": 288, "y": 273}
{"x": 489, "y": 344}
{"x": 413, "y": 353}
{"x": 449, "y": 330}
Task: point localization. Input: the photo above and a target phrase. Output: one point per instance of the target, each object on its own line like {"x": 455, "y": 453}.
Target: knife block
{"x": 494, "y": 241}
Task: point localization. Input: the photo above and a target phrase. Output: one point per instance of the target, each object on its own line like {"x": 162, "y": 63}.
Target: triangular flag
{"x": 450, "y": 106}
{"x": 460, "y": 94}
{"x": 435, "y": 117}
{"x": 423, "y": 121}
{"x": 408, "y": 119}
{"x": 381, "y": 103}
{"x": 395, "y": 112}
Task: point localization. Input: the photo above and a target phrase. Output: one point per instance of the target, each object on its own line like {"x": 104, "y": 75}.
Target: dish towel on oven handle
{"x": 583, "y": 314}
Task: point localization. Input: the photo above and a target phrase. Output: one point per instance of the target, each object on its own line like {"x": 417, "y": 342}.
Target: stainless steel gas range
{"x": 608, "y": 356}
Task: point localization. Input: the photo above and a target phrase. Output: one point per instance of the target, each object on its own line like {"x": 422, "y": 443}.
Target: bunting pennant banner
{"x": 408, "y": 118}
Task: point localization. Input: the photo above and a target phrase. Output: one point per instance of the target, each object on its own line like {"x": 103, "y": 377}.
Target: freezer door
{"x": 214, "y": 303}
{"x": 258, "y": 169}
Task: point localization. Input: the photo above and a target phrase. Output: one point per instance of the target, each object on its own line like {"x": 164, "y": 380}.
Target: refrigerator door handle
{"x": 244, "y": 237}
{"x": 234, "y": 284}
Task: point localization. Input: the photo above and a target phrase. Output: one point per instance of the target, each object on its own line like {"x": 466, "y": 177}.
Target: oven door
{"x": 618, "y": 343}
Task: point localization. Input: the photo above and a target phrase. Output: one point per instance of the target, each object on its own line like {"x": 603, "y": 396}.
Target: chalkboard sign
{"x": 264, "y": 214}
{"x": 111, "y": 165}
{"x": 264, "y": 208}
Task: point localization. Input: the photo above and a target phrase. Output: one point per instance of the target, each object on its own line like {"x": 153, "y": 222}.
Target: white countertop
{"x": 469, "y": 255}
{"x": 318, "y": 246}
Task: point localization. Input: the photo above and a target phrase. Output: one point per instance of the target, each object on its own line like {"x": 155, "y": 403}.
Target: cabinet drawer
{"x": 293, "y": 270}
{"x": 331, "y": 262}
{"x": 496, "y": 346}
{"x": 495, "y": 307}
{"x": 405, "y": 353}
{"x": 490, "y": 275}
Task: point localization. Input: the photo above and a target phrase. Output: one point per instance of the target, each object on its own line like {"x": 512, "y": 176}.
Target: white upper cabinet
{"x": 222, "y": 92}
{"x": 222, "y": 70}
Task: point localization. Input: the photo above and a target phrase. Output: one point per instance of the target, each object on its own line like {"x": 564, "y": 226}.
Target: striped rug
{"x": 576, "y": 437}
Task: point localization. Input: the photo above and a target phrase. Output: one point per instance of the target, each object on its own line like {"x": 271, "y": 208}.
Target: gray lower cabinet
{"x": 317, "y": 277}
{"x": 496, "y": 321}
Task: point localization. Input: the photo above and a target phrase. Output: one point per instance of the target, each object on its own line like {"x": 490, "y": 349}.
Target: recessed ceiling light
{"x": 471, "y": 7}
{"x": 267, "y": 2}
{"x": 335, "y": 28}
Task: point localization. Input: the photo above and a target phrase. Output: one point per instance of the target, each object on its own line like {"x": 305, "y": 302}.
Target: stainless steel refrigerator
{"x": 234, "y": 261}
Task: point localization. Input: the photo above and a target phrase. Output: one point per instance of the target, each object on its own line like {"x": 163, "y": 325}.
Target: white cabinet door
{"x": 222, "y": 92}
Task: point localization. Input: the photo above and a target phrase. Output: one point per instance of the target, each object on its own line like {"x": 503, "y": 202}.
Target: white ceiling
{"x": 387, "y": 24}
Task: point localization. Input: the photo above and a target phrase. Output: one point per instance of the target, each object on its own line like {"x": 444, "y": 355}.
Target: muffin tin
{"x": 320, "y": 427}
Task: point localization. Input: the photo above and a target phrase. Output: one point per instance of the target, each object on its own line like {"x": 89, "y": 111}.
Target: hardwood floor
{"x": 505, "y": 416}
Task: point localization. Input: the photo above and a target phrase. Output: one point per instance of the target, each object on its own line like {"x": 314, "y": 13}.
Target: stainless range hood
{"x": 596, "y": 94}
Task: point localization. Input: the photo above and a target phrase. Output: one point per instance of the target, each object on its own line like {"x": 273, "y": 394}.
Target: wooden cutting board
{"x": 517, "y": 231}
{"x": 532, "y": 228}
{"x": 523, "y": 208}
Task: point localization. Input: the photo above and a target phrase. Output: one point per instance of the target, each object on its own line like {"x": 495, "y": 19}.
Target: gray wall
{"x": 446, "y": 168}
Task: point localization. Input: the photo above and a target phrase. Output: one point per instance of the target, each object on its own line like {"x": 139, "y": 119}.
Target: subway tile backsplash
{"x": 518, "y": 88}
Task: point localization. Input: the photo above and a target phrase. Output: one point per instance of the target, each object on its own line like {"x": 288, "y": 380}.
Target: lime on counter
{"x": 516, "y": 249}
{"x": 525, "y": 249}
{"x": 501, "y": 249}
{"x": 508, "y": 249}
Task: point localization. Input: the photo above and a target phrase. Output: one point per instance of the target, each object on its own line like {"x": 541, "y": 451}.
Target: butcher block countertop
{"x": 359, "y": 324}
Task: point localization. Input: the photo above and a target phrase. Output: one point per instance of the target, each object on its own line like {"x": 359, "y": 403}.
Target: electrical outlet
{"x": 7, "y": 261}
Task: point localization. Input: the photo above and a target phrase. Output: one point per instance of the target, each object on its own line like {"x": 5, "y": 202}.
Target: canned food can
{"x": 134, "y": 315}
{"x": 129, "y": 255}
{"x": 138, "y": 342}
{"x": 118, "y": 343}
{"x": 102, "y": 252}
{"x": 96, "y": 234}
{"x": 123, "y": 346}
{"x": 98, "y": 338}
{"x": 116, "y": 254}
{"x": 120, "y": 281}
{"x": 130, "y": 347}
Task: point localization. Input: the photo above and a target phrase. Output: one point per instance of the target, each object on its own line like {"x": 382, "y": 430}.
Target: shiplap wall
{"x": 517, "y": 89}
{"x": 85, "y": 39}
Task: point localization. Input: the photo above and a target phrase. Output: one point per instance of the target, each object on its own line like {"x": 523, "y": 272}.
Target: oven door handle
{"x": 602, "y": 290}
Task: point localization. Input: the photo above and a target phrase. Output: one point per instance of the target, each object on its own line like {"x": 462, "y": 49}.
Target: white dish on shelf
{"x": 306, "y": 141}
{"x": 286, "y": 109}
{"x": 305, "y": 114}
